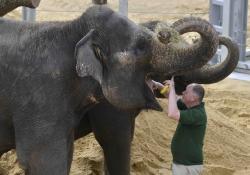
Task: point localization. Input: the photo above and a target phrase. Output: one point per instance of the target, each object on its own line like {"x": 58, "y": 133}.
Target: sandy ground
{"x": 227, "y": 142}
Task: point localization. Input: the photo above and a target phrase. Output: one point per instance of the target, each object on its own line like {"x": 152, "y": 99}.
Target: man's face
{"x": 188, "y": 95}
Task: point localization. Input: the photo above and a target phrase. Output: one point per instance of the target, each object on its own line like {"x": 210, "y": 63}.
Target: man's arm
{"x": 173, "y": 111}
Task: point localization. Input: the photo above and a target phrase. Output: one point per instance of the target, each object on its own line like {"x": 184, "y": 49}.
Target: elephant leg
{"x": 7, "y": 135}
{"x": 106, "y": 168}
{"x": 113, "y": 130}
{"x": 82, "y": 128}
{"x": 50, "y": 154}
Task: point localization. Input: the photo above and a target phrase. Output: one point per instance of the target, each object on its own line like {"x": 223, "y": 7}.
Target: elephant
{"x": 61, "y": 80}
{"x": 104, "y": 119}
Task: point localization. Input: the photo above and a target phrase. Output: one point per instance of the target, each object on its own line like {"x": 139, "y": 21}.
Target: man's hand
{"x": 170, "y": 83}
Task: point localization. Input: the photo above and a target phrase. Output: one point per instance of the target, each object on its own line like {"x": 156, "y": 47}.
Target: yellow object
{"x": 164, "y": 90}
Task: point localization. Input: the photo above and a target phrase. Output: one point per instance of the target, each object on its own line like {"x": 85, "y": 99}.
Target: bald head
{"x": 198, "y": 90}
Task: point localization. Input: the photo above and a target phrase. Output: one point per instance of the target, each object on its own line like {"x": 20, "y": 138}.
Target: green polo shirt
{"x": 187, "y": 142}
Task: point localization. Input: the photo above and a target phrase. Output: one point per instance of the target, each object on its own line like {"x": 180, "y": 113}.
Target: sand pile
{"x": 227, "y": 144}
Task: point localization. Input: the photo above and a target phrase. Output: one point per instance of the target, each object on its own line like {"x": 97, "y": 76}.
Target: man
{"x": 187, "y": 142}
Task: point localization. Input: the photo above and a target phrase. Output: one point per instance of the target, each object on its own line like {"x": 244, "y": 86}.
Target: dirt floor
{"x": 227, "y": 142}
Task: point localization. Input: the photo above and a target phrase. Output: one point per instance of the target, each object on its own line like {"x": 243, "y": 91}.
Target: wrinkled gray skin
{"x": 89, "y": 72}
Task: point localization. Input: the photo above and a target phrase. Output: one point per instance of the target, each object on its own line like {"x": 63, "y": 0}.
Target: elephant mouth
{"x": 151, "y": 102}
{"x": 150, "y": 84}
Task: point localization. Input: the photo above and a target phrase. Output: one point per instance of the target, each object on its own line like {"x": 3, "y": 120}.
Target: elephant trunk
{"x": 173, "y": 58}
{"x": 214, "y": 73}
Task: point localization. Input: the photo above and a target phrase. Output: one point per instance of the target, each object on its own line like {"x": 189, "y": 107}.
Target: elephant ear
{"x": 87, "y": 64}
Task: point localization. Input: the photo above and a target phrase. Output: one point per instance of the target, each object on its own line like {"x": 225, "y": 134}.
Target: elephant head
{"x": 119, "y": 54}
{"x": 206, "y": 74}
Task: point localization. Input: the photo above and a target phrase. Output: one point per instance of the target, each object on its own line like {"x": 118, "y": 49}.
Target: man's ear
{"x": 87, "y": 64}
